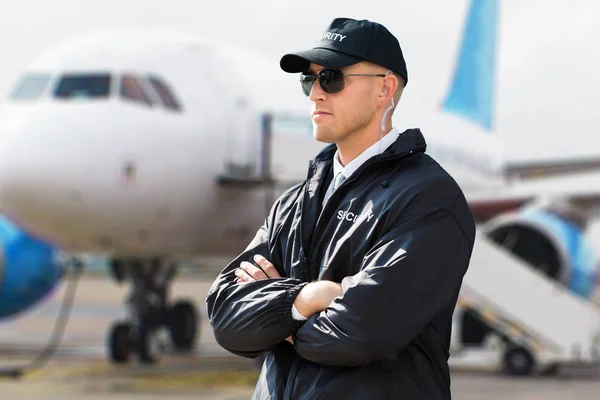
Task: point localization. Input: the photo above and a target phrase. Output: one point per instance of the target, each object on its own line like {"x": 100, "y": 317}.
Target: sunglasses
{"x": 331, "y": 80}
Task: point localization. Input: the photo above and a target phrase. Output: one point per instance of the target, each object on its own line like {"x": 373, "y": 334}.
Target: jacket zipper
{"x": 353, "y": 178}
{"x": 295, "y": 369}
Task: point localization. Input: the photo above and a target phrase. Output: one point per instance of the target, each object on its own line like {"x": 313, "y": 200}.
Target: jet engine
{"x": 552, "y": 240}
{"x": 29, "y": 269}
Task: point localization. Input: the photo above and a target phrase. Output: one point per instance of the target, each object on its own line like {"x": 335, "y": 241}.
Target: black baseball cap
{"x": 348, "y": 41}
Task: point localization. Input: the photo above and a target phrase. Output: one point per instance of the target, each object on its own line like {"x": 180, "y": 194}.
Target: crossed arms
{"x": 411, "y": 274}
{"x": 312, "y": 298}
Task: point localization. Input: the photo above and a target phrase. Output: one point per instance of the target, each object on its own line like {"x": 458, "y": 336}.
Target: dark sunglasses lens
{"x": 307, "y": 82}
{"x": 331, "y": 80}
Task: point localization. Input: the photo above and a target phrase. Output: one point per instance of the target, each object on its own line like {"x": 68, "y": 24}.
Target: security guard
{"x": 349, "y": 286}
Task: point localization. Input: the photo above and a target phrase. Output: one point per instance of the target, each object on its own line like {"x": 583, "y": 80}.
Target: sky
{"x": 548, "y": 90}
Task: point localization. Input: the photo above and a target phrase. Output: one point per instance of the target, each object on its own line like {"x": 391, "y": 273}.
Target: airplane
{"x": 151, "y": 147}
{"x": 117, "y": 90}
{"x": 30, "y": 270}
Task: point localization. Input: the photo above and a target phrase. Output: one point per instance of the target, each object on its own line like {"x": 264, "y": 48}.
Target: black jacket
{"x": 398, "y": 236}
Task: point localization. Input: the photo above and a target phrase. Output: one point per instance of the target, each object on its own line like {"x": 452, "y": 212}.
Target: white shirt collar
{"x": 374, "y": 150}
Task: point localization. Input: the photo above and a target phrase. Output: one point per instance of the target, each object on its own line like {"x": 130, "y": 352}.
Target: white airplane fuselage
{"x": 131, "y": 181}
{"x": 118, "y": 177}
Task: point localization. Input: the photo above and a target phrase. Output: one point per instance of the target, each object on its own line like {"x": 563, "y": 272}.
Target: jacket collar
{"x": 373, "y": 150}
{"x": 411, "y": 140}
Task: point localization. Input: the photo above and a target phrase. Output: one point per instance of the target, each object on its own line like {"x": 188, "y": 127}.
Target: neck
{"x": 358, "y": 141}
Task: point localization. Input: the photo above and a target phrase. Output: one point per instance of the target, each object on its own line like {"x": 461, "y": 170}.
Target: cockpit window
{"x": 30, "y": 87}
{"x": 83, "y": 86}
{"x": 164, "y": 93}
{"x": 131, "y": 89}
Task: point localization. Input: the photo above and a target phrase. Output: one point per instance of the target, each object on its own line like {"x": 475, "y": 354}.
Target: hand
{"x": 317, "y": 296}
{"x": 248, "y": 272}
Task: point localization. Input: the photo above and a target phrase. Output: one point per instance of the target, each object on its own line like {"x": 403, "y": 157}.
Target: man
{"x": 350, "y": 285}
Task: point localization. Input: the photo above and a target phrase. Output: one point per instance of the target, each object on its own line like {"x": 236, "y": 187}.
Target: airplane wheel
{"x": 148, "y": 348}
{"x": 183, "y": 325}
{"x": 518, "y": 361}
{"x": 120, "y": 343}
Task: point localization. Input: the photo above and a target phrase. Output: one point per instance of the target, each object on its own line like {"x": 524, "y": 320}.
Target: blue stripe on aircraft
{"x": 471, "y": 94}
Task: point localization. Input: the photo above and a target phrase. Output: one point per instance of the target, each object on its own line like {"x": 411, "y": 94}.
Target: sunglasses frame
{"x": 321, "y": 78}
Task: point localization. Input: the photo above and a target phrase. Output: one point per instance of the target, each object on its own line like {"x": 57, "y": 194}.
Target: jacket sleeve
{"x": 249, "y": 318}
{"x": 412, "y": 274}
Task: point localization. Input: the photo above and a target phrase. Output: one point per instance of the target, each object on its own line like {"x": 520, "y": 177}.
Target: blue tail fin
{"x": 472, "y": 93}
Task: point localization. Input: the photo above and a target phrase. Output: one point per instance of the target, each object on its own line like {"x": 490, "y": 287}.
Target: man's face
{"x": 338, "y": 116}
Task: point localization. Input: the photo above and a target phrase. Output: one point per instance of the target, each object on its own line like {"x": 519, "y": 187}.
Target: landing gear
{"x": 119, "y": 342}
{"x": 183, "y": 325}
{"x": 153, "y": 327}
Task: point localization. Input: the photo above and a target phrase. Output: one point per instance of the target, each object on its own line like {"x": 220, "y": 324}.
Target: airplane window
{"x": 30, "y": 87}
{"x": 165, "y": 94}
{"x": 131, "y": 89}
{"x": 83, "y": 86}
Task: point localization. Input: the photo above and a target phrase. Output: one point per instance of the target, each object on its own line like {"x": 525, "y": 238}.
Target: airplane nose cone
{"x": 42, "y": 146}
{"x": 41, "y": 156}
{"x": 21, "y": 156}
{"x": 56, "y": 160}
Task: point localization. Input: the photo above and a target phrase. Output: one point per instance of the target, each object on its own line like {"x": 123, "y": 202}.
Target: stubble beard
{"x": 324, "y": 135}
{"x": 328, "y": 134}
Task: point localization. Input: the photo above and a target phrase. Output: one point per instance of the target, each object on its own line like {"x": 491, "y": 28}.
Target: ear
{"x": 389, "y": 86}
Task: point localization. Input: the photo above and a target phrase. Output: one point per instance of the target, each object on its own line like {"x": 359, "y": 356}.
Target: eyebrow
{"x": 312, "y": 71}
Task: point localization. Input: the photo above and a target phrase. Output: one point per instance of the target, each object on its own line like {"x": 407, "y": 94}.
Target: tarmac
{"x": 79, "y": 368}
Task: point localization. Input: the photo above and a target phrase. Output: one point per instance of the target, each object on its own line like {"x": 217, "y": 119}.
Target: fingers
{"x": 243, "y": 276}
{"x": 266, "y": 266}
{"x": 255, "y": 273}
{"x": 248, "y": 272}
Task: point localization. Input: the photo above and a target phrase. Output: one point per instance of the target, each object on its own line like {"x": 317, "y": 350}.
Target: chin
{"x": 323, "y": 136}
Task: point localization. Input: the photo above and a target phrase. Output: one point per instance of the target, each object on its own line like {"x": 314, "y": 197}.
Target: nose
{"x": 317, "y": 92}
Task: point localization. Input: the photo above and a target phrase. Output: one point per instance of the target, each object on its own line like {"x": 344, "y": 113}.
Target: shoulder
{"x": 423, "y": 176}
{"x": 436, "y": 189}
{"x": 291, "y": 194}
{"x": 422, "y": 186}
{"x": 288, "y": 198}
